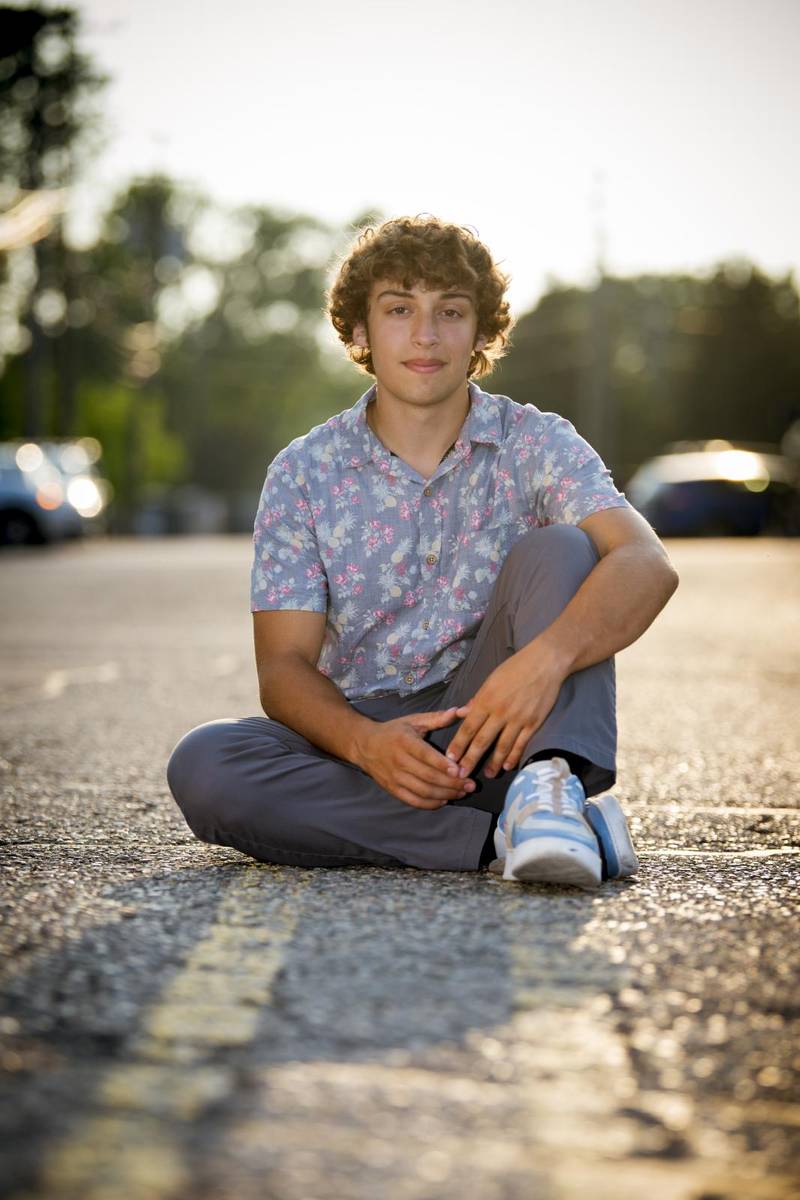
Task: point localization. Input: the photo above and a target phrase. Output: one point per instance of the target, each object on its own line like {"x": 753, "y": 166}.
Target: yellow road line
{"x": 129, "y": 1151}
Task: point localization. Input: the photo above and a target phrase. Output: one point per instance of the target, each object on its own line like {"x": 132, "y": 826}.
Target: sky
{"x": 658, "y": 134}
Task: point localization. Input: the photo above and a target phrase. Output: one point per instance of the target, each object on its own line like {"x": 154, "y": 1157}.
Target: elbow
{"x": 671, "y": 576}
{"x": 671, "y": 580}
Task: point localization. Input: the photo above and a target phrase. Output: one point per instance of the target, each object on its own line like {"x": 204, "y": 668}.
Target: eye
{"x": 453, "y": 312}
{"x": 398, "y": 308}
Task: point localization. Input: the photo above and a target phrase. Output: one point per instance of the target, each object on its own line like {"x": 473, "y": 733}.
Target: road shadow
{"x": 382, "y": 961}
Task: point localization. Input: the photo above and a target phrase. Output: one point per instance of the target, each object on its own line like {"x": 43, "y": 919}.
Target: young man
{"x": 441, "y": 580}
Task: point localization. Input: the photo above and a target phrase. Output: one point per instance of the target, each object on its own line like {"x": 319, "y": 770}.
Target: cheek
{"x": 385, "y": 342}
{"x": 462, "y": 341}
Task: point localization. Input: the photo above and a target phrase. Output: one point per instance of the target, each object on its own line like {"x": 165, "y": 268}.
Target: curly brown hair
{"x": 421, "y": 250}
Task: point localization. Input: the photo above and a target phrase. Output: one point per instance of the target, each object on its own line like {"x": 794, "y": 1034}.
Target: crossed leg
{"x": 256, "y": 785}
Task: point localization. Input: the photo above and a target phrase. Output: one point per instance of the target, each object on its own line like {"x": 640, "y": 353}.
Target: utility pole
{"x": 597, "y": 406}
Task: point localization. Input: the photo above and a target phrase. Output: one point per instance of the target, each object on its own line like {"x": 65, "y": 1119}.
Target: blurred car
{"x": 718, "y": 489}
{"x": 49, "y": 491}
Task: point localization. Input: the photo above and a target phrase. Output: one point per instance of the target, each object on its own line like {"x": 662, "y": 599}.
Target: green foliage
{"x": 207, "y": 393}
{"x": 105, "y": 412}
{"x": 638, "y": 363}
{"x": 45, "y": 83}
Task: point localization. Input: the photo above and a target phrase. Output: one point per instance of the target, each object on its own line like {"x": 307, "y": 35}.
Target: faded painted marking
{"x": 130, "y": 1151}
{"x": 549, "y": 1096}
{"x": 766, "y": 852}
{"x": 688, "y": 810}
{"x": 56, "y": 682}
{"x": 224, "y": 664}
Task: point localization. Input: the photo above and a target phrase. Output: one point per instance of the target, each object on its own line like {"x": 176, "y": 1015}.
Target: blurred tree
{"x": 253, "y": 372}
{"x": 141, "y": 251}
{"x": 745, "y": 370}
{"x": 685, "y": 357}
{"x": 47, "y": 129}
{"x": 202, "y": 347}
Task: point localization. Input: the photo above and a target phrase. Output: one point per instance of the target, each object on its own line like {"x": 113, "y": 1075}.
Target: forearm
{"x": 298, "y": 695}
{"x": 618, "y": 600}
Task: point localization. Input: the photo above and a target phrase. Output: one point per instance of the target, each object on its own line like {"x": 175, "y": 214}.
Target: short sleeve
{"x": 287, "y": 571}
{"x": 571, "y": 480}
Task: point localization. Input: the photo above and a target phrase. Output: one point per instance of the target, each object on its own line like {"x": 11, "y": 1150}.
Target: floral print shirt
{"x": 404, "y": 566}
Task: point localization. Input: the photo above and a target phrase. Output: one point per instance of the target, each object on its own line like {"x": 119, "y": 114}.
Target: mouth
{"x": 424, "y": 366}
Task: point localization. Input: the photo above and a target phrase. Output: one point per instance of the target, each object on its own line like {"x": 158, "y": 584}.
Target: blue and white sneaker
{"x": 542, "y": 834}
{"x": 611, "y": 829}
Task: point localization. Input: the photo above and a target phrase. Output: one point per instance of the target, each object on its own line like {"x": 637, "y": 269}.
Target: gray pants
{"x": 260, "y": 787}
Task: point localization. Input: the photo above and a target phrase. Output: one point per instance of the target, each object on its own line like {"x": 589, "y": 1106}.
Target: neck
{"x": 420, "y": 435}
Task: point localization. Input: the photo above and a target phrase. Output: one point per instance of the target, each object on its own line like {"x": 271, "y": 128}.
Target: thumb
{"x": 433, "y": 720}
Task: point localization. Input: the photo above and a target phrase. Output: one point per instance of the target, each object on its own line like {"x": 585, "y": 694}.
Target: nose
{"x": 424, "y": 332}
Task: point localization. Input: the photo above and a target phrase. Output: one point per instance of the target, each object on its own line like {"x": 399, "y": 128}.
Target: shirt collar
{"x": 357, "y": 444}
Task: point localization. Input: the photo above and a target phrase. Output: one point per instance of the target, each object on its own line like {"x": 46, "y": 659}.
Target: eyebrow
{"x": 410, "y": 295}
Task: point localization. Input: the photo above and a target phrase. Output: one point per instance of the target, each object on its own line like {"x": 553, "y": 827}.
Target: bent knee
{"x": 195, "y": 771}
{"x": 561, "y": 548}
{"x": 544, "y": 538}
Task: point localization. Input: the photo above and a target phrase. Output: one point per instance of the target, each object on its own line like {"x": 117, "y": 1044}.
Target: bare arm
{"x": 294, "y": 692}
{"x": 620, "y": 597}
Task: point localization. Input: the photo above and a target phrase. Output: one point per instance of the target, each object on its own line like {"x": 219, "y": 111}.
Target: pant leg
{"x": 262, "y": 788}
{"x": 541, "y": 573}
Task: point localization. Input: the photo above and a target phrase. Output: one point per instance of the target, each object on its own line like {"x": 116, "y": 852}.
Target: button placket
{"x": 433, "y": 522}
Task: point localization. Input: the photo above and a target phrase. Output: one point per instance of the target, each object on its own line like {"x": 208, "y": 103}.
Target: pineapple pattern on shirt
{"x": 402, "y": 565}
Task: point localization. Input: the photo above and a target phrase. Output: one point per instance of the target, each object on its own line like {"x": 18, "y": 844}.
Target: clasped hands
{"x": 504, "y": 713}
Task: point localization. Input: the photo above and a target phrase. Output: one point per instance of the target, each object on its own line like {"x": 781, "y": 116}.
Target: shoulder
{"x": 514, "y": 419}
{"x": 315, "y": 451}
{"x": 530, "y": 434}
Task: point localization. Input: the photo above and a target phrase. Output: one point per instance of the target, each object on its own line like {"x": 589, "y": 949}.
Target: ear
{"x": 360, "y": 336}
{"x": 480, "y": 343}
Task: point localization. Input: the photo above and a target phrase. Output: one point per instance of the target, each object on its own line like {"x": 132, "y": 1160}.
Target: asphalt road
{"x": 181, "y": 1024}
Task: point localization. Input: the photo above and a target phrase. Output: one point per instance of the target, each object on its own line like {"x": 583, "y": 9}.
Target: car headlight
{"x": 84, "y": 495}
{"x": 49, "y": 494}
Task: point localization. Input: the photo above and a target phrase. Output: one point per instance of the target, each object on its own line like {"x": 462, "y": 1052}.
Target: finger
{"x": 505, "y": 744}
{"x": 420, "y": 795}
{"x": 514, "y": 757}
{"x": 466, "y": 733}
{"x": 411, "y": 798}
{"x": 433, "y": 720}
{"x": 429, "y": 781}
{"x": 433, "y": 777}
{"x": 422, "y": 751}
{"x": 481, "y": 742}
{"x": 423, "y": 790}
{"x": 432, "y": 768}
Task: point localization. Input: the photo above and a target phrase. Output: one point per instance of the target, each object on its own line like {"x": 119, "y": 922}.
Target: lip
{"x": 424, "y": 366}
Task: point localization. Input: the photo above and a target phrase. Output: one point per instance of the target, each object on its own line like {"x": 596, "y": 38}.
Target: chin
{"x": 440, "y": 383}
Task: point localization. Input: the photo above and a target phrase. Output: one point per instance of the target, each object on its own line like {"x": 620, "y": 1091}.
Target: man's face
{"x": 421, "y": 341}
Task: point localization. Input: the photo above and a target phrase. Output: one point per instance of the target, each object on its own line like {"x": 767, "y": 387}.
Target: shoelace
{"x": 554, "y": 796}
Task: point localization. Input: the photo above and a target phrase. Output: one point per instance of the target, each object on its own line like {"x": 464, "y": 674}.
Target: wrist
{"x": 361, "y": 734}
{"x": 557, "y": 650}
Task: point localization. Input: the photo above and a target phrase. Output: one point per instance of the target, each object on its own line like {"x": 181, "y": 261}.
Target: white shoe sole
{"x": 552, "y": 860}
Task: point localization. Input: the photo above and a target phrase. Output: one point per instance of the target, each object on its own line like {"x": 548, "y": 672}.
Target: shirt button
{"x": 426, "y": 624}
{"x": 428, "y": 491}
{"x": 430, "y": 559}
{"x": 409, "y": 678}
